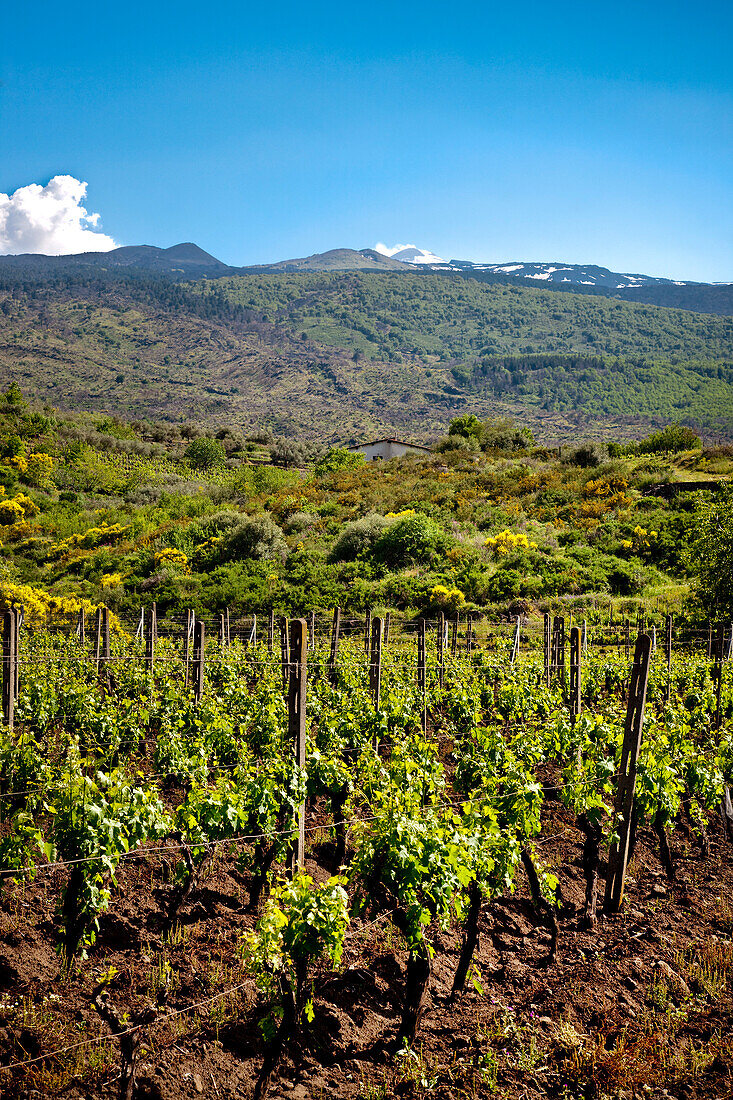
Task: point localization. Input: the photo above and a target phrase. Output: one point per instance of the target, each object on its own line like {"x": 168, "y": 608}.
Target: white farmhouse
{"x": 384, "y": 449}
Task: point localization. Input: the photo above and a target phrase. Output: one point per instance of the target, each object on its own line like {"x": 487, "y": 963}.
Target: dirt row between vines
{"x": 642, "y": 1006}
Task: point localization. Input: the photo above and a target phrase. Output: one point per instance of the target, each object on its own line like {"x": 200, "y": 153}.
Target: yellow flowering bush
{"x": 642, "y": 539}
{"x": 171, "y": 556}
{"x": 449, "y": 599}
{"x": 88, "y": 539}
{"x": 110, "y": 580}
{"x": 605, "y": 486}
{"x": 400, "y": 515}
{"x": 18, "y": 462}
{"x": 11, "y": 511}
{"x": 17, "y": 508}
{"x": 39, "y": 606}
{"x": 506, "y": 541}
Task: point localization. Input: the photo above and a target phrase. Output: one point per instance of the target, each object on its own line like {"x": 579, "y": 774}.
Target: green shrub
{"x": 205, "y": 453}
{"x": 255, "y": 537}
{"x": 338, "y": 458}
{"x": 358, "y": 538}
{"x": 412, "y": 538}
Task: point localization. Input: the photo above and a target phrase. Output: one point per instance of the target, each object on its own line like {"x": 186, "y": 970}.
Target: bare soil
{"x": 641, "y": 1006}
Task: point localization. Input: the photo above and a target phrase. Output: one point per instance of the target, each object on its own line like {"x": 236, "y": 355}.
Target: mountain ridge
{"x": 187, "y": 261}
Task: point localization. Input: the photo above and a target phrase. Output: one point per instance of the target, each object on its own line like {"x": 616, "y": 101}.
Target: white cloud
{"x": 50, "y": 220}
{"x": 387, "y": 251}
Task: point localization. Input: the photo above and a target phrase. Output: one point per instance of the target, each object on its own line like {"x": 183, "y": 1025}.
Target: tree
{"x": 711, "y": 556}
{"x": 338, "y": 458}
{"x": 205, "y": 453}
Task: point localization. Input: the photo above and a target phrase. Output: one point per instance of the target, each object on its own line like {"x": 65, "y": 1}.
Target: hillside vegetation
{"x": 337, "y": 357}
{"x": 96, "y": 510}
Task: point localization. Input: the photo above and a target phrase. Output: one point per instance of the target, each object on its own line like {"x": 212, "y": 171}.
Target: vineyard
{"x": 365, "y": 858}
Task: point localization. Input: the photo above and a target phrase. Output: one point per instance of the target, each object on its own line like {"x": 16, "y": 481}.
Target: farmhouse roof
{"x": 402, "y": 443}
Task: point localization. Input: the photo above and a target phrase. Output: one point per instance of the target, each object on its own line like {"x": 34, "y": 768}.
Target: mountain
{"x": 418, "y": 256}
{"x": 181, "y": 261}
{"x": 184, "y": 262}
{"x": 579, "y": 274}
{"x": 336, "y": 259}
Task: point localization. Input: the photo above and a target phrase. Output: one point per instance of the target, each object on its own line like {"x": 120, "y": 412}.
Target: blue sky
{"x": 534, "y": 131}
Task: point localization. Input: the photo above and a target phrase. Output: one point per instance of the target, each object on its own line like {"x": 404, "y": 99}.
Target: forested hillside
{"x": 336, "y": 357}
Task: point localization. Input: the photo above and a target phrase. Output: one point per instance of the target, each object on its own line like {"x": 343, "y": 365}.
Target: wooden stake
{"x": 454, "y": 635}
{"x": 387, "y": 621}
{"x": 375, "y": 661}
{"x": 297, "y": 689}
{"x": 718, "y": 674}
{"x": 668, "y": 655}
{"x": 333, "y": 655}
{"x": 440, "y": 640}
{"x": 619, "y": 852}
{"x": 421, "y": 678}
{"x": 367, "y": 630}
{"x": 105, "y": 634}
{"x": 284, "y": 653}
{"x": 199, "y": 659}
{"x": 271, "y": 630}
{"x": 575, "y": 672}
{"x": 150, "y": 641}
{"x": 187, "y": 636}
{"x": 97, "y": 635}
{"x": 9, "y": 663}
{"x": 515, "y": 642}
{"x": 547, "y": 638}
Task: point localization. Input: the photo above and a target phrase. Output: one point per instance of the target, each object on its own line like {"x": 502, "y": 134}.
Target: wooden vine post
{"x": 469, "y": 633}
{"x": 81, "y": 628}
{"x": 334, "y": 651}
{"x": 271, "y": 630}
{"x": 297, "y": 686}
{"x": 312, "y": 630}
{"x": 619, "y": 851}
{"x": 668, "y": 656}
{"x": 454, "y": 635}
{"x": 105, "y": 634}
{"x": 516, "y": 640}
{"x": 387, "y": 623}
{"x": 558, "y": 648}
{"x": 284, "y": 653}
{"x": 576, "y": 648}
{"x": 375, "y": 661}
{"x": 199, "y": 659}
{"x": 422, "y": 673}
{"x": 547, "y": 647}
{"x": 367, "y": 630}
{"x": 627, "y": 638}
{"x": 19, "y": 620}
{"x": 150, "y": 637}
{"x": 222, "y": 632}
{"x": 440, "y": 645}
{"x": 97, "y": 635}
{"x": 718, "y": 673}
{"x": 187, "y": 637}
{"x": 10, "y": 657}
